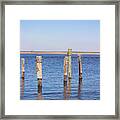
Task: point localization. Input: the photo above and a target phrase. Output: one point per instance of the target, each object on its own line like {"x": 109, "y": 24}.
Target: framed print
{"x": 60, "y": 59}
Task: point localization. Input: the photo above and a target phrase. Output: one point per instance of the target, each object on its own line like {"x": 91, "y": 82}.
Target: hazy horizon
{"x": 59, "y": 35}
{"x": 54, "y": 51}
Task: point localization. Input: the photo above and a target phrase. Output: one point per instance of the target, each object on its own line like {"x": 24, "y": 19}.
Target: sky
{"x": 59, "y": 35}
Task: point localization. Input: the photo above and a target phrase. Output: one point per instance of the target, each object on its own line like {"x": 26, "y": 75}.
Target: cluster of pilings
{"x": 38, "y": 71}
{"x": 68, "y": 74}
{"x": 67, "y": 70}
{"x": 68, "y": 66}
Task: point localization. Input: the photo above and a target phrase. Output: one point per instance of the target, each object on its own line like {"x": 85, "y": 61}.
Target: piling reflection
{"x": 79, "y": 87}
{"x": 65, "y": 90}
{"x": 22, "y": 86}
{"x": 40, "y": 94}
{"x": 80, "y": 80}
{"x": 69, "y": 88}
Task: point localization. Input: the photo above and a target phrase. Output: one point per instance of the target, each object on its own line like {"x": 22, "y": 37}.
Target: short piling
{"x": 23, "y": 68}
{"x": 65, "y": 77}
{"x": 69, "y": 63}
{"x": 65, "y": 68}
{"x": 80, "y": 67}
{"x": 39, "y": 72}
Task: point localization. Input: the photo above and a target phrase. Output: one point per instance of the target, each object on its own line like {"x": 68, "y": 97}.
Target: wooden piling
{"x": 39, "y": 72}
{"x": 69, "y": 63}
{"x": 23, "y": 68}
{"x": 65, "y": 68}
{"x": 80, "y": 67}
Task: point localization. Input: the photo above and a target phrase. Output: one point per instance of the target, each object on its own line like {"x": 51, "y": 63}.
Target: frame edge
{"x": 117, "y": 25}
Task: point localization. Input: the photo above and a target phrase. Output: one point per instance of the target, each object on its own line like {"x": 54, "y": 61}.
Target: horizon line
{"x": 58, "y": 52}
{"x": 54, "y": 51}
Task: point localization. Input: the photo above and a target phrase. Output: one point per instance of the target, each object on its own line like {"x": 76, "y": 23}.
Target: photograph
{"x": 59, "y": 59}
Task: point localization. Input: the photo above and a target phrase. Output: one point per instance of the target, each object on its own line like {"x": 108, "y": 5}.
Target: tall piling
{"x": 80, "y": 67}
{"x": 69, "y": 63}
{"x": 23, "y": 68}
{"x": 39, "y": 72}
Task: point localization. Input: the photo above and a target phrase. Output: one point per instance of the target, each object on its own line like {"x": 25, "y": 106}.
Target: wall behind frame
{"x": 56, "y": 0}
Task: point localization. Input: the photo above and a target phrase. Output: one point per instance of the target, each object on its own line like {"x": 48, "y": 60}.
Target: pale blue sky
{"x": 59, "y": 35}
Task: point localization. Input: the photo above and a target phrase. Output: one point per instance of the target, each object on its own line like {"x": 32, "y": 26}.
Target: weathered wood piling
{"x": 23, "y": 75}
{"x": 67, "y": 74}
{"x": 80, "y": 67}
{"x": 23, "y": 68}
{"x": 39, "y": 72}
{"x": 65, "y": 68}
{"x": 69, "y": 63}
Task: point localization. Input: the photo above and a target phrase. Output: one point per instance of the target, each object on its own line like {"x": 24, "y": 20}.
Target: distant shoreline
{"x": 56, "y": 52}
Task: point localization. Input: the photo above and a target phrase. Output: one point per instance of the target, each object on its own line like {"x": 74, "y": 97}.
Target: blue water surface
{"x": 53, "y": 78}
